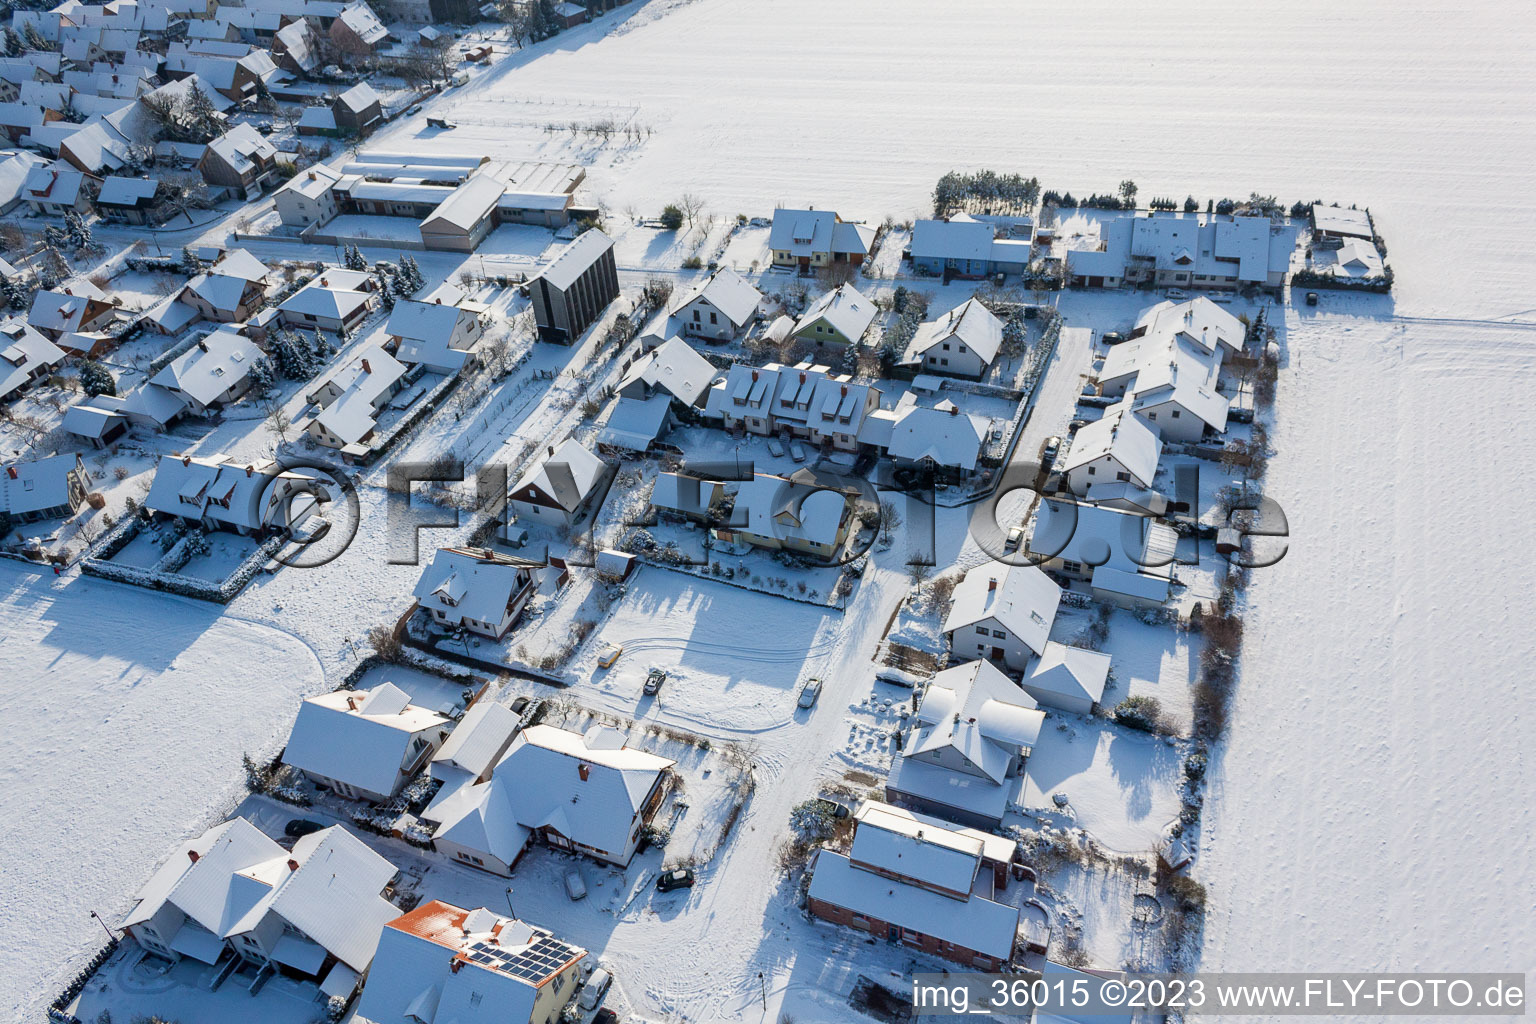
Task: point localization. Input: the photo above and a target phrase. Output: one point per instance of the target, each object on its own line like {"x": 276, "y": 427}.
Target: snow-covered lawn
{"x": 137, "y": 707}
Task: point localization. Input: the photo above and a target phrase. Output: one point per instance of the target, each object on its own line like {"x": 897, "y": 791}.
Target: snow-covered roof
{"x": 685, "y": 494}
{"x": 331, "y": 296}
{"x": 211, "y": 367}
{"x": 973, "y": 923}
{"x": 224, "y": 284}
{"x": 726, "y": 291}
{"x": 673, "y": 367}
{"x": 971, "y": 324}
{"x": 63, "y": 309}
{"x": 1356, "y": 258}
{"x": 1020, "y": 597}
{"x": 361, "y": 738}
{"x": 635, "y": 422}
{"x": 23, "y": 352}
{"x": 845, "y": 308}
{"x": 946, "y": 436}
{"x": 93, "y": 417}
{"x": 1199, "y": 322}
{"x": 425, "y": 321}
{"x": 1123, "y": 436}
{"x": 1074, "y": 672}
{"x": 469, "y": 204}
{"x": 479, "y": 739}
{"x": 333, "y": 895}
{"x": 359, "y": 17}
{"x": 960, "y": 238}
{"x": 312, "y": 182}
{"x": 120, "y": 191}
{"x": 28, "y": 487}
{"x": 977, "y": 711}
{"x": 790, "y": 508}
{"x": 1339, "y": 221}
{"x": 320, "y": 118}
{"x": 1092, "y": 535}
{"x": 806, "y": 232}
{"x": 895, "y": 845}
{"x": 440, "y": 963}
{"x": 566, "y": 475}
{"x": 55, "y": 183}
{"x": 575, "y": 257}
{"x": 15, "y": 167}
{"x": 239, "y": 145}
{"x": 358, "y": 98}
{"x": 999, "y": 849}
{"x": 464, "y": 584}
{"x": 212, "y": 488}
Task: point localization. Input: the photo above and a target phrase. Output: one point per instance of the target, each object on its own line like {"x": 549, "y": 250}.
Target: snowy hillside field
{"x": 1371, "y": 807}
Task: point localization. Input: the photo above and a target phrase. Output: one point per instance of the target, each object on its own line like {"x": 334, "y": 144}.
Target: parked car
{"x": 575, "y": 888}
{"x": 298, "y": 827}
{"x": 796, "y": 452}
{"x": 1311, "y": 298}
{"x": 1049, "y": 452}
{"x": 415, "y": 110}
{"x": 518, "y": 704}
{"x": 1112, "y": 337}
{"x": 596, "y": 987}
{"x": 832, "y": 807}
{"x": 775, "y": 449}
{"x": 1177, "y": 294}
{"x": 1014, "y": 539}
{"x": 265, "y": 128}
{"x": 677, "y": 878}
{"x": 440, "y": 122}
{"x": 653, "y": 680}
{"x": 609, "y": 656}
{"x": 809, "y": 692}
{"x": 605, "y": 1016}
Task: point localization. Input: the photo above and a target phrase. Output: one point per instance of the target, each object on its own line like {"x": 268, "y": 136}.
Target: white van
{"x": 594, "y": 990}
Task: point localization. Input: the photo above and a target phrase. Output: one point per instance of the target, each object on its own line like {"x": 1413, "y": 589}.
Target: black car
{"x": 519, "y": 704}
{"x": 1112, "y": 337}
{"x": 1311, "y": 298}
{"x": 297, "y": 827}
{"x": 605, "y": 1016}
{"x": 677, "y": 878}
{"x": 832, "y": 808}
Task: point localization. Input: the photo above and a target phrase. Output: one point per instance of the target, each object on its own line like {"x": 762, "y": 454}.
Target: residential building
{"x": 128, "y": 200}
{"x": 465, "y": 216}
{"x": 587, "y": 793}
{"x": 16, "y": 166}
{"x": 313, "y": 913}
{"x": 716, "y": 307}
{"x": 337, "y": 300}
{"x": 440, "y": 964}
{"x": 364, "y": 744}
{"x": 805, "y": 402}
{"x": 232, "y": 290}
{"x": 966, "y": 247}
{"x": 1068, "y": 678}
{"x": 359, "y": 110}
{"x": 939, "y": 438}
{"x": 215, "y": 493}
{"x": 574, "y": 288}
{"x": 241, "y": 160}
{"x": 438, "y": 332}
{"x": 212, "y": 373}
{"x": 50, "y": 488}
{"x": 25, "y": 356}
{"x": 358, "y": 31}
{"x": 74, "y": 308}
{"x": 56, "y": 190}
{"x": 1189, "y": 250}
{"x": 963, "y": 752}
{"x": 1169, "y": 369}
{"x": 297, "y": 47}
{"x": 1335, "y": 222}
{"x": 99, "y": 420}
{"x": 560, "y": 488}
{"x": 352, "y": 397}
{"x": 1002, "y": 613}
{"x": 1122, "y": 557}
{"x": 1120, "y": 447}
{"x": 477, "y": 744}
{"x": 799, "y": 513}
{"x": 840, "y": 317}
{"x": 682, "y": 496}
{"x": 912, "y": 879}
{"x": 306, "y": 198}
{"x": 474, "y": 589}
{"x": 672, "y": 369}
{"x": 811, "y": 239}
{"x": 960, "y": 343}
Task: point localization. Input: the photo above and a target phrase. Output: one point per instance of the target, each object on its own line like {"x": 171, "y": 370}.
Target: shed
{"x": 614, "y": 564}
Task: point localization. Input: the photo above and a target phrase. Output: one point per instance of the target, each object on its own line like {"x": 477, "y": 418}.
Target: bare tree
{"x": 278, "y": 418}
{"x": 692, "y": 205}
{"x": 889, "y": 518}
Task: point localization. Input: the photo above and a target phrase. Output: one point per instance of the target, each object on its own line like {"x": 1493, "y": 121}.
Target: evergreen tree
{"x": 15, "y": 293}
{"x": 190, "y": 264}
{"x": 96, "y": 379}
{"x": 263, "y": 376}
{"x": 12, "y": 42}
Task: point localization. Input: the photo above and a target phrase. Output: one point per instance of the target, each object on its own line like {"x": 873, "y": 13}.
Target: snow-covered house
{"x": 359, "y": 110}
{"x": 48, "y": 488}
{"x": 717, "y": 307}
{"x": 99, "y": 420}
{"x": 673, "y": 369}
{"x": 15, "y": 167}
{"x": 840, "y": 317}
{"x": 796, "y": 513}
{"x": 74, "y": 308}
{"x": 440, "y": 964}
{"x": 809, "y": 239}
{"x": 1002, "y": 613}
{"x": 241, "y": 160}
{"x": 1356, "y": 259}
{"x": 337, "y": 301}
{"x": 584, "y": 792}
{"x": 364, "y": 744}
{"x": 438, "y": 332}
{"x": 560, "y": 487}
{"x": 476, "y": 745}
{"x": 921, "y": 881}
{"x": 1122, "y": 557}
{"x": 960, "y": 343}
{"x": 230, "y": 291}
{"x": 358, "y": 31}
{"x": 938, "y": 437}
{"x": 57, "y": 189}
{"x": 312, "y": 912}
{"x": 1120, "y": 447}
{"x": 475, "y": 589}
{"x": 211, "y": 374}
{"x": 1169, "y": 369}
{"x": 215, "y": 493}
{"x": 352, "y": 396}
{"x": 25, "y": 355}
{"x": 964, "y": 246}
{"x": 965, "y": 748}
{"x": 306, "y": 198}
{"x": 683, "y": 496}
{"x": 574, "y": 288}
{"x": 1069, "y": 678}
{"x": 126, "y": 199}
{"x": 806, "y": 402}
{"x": 297, "y": 47}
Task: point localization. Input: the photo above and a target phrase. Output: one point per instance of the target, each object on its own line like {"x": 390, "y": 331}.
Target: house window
{"x": 981, "y": 630}
{"x": 1092, "y": 470}
{"x": 946, "y": 346}
{"x": 999, "y": 634}
{"x": 1068, "y": 565}
{"x": 943, "y": 362}
{"x": 1151, "y": 415}
{"x": 1174, "y": 414}
{"x": 981, "y": 648}
{"x": 714, "y": 318}
{"x": 695, "y": 316}
{"x": 1122, "y": 476}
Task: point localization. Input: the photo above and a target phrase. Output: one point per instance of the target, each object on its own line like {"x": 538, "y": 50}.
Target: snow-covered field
{"x": 1372, "y": 807}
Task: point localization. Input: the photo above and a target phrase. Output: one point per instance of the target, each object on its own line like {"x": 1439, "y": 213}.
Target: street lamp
{"x": 763, "y": 987}
{"x": 110, "y": 934}
{"x": 509, "y": 902}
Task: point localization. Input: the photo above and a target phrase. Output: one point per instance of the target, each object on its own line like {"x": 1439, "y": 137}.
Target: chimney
{"x": 67, "y": 290}
{"x": 248, "y": 470}
{"x": 311, "y": 175}
{"x": 551, "y": 451}
{"x": 454, "y": 965}
{"x": 843, "y": 391}
{"x": 954, "y": 410}
{"x": 186, "y": 460}
{"x": 366, "y": 368}
{"x": 584, "y": 771}
{"x": 324, "y": 283}
{"x": 754, "y": 375}
{"x": 202, "y": 346}
{"x": 192, "y": 856}
{"x": 991, "y": 586}
{"x": 10, "y": 471}
{"x": 351, "y": 704}
{"x": 438, "y": 300}
{"x": 293, "y": 865}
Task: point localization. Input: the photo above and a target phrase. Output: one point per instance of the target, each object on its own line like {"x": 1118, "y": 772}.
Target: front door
{"x": 997, "y": 654}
